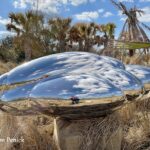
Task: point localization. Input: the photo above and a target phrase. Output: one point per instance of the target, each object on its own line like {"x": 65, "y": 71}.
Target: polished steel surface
{"x": 82, "y": 86}
{"x": 141, "y": 72}
{"x": 3, "y": 79}
{"x": 63, "y": 62}
{"x": 81, "y": 74}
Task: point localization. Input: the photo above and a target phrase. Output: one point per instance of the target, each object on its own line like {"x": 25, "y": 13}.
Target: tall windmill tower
{"x": 132, "y": 30}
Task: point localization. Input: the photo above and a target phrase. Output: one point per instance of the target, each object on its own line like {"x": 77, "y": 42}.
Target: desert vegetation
{"x": 36, "y": 36}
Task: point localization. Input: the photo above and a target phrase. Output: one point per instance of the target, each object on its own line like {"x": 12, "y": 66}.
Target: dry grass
{"x": 139, "y": 59}
{"x": 36, "y": 131}
{"x": 142, "y": 60}
{"x": 136, "y": 135}
{"x": 98, "y": 133}
{"x": 5, "y": 67}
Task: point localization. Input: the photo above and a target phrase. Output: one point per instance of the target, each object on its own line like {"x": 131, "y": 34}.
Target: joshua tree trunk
{"x": 105, "y": 43}
{"x": 131, "y": 52}
{"x": 105, "y": 40}
{"x": 61, "y": 46}
{"x": 87, "y": 45}
{"x": 27, "y": 50}
{"x": 80, "y": 45}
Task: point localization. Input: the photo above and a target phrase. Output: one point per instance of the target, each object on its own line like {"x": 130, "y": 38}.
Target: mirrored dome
{"x": 82, "y": 86}
{"x": 3, "y": 79}
{"x": 63, "y": 62}
{"x": 61, "y": 76}
{"x": 122, "y": 79}
{"x": 119, "y": 77}
{"x": 141, "y": 72}
{"x": 18, "y": 92}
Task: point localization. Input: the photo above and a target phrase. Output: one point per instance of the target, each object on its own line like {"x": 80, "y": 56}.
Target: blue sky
{"x": 100, "y": 11}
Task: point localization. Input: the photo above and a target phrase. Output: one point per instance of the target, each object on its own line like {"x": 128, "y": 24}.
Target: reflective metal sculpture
{"x": 119, "y": 77}
{"x": 82, "y": 86}
{"x": 61, "y": 76}
{"x": 52, "y": 64}
{"x": 122, "y": 79}
{"x": 3, "y": 79}
{"x": 141, "y": 72}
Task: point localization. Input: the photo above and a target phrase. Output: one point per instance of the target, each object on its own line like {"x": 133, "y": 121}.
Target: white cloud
{"x": 123, "y": 18}
{"x": 130, "y": 1}
{"x": 4, "y": 34}
{"x": 146, "y": 16}
{"x": 77, "y": 2}
{"x": 88, "y": 16}
{"x": 144, "y": 0}
{"x": 4, "y": 21}
{"x": 20, "y": 4}
{"x": 107, "y": 14}
{"x": 120, "y": 13}
{"x": 49, "y": 6}
{"x": 101, "y": 10}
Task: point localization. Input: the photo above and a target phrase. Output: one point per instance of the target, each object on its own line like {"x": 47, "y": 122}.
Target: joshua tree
{"x": 132, "y": 29}
{"x": 75, "y": 36}
{"x": 108, "y": 30}
{"x": 59, "y": 30}
{"x": 28, "y": 27}
{"x": 84, "y": 34}
{"x": 90, "y": 35}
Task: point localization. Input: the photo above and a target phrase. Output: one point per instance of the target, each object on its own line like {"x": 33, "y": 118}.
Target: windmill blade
{"x": 138, "y": 10}
{"x": 141, "y": 12}
{"x": 116, "y": 4}
{"x": 146, "y": 26}
{"x": 125, "y": 11}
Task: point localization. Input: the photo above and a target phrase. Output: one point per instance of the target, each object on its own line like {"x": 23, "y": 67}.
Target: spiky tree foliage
{"x": 28, "y": 27}
{"x": 59, "y": 30}
{"x": 75, "y": 36}
{"x": 108, "y": 30}
{"x": 85, "y": 34}
{"x": 111, "y": 30}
